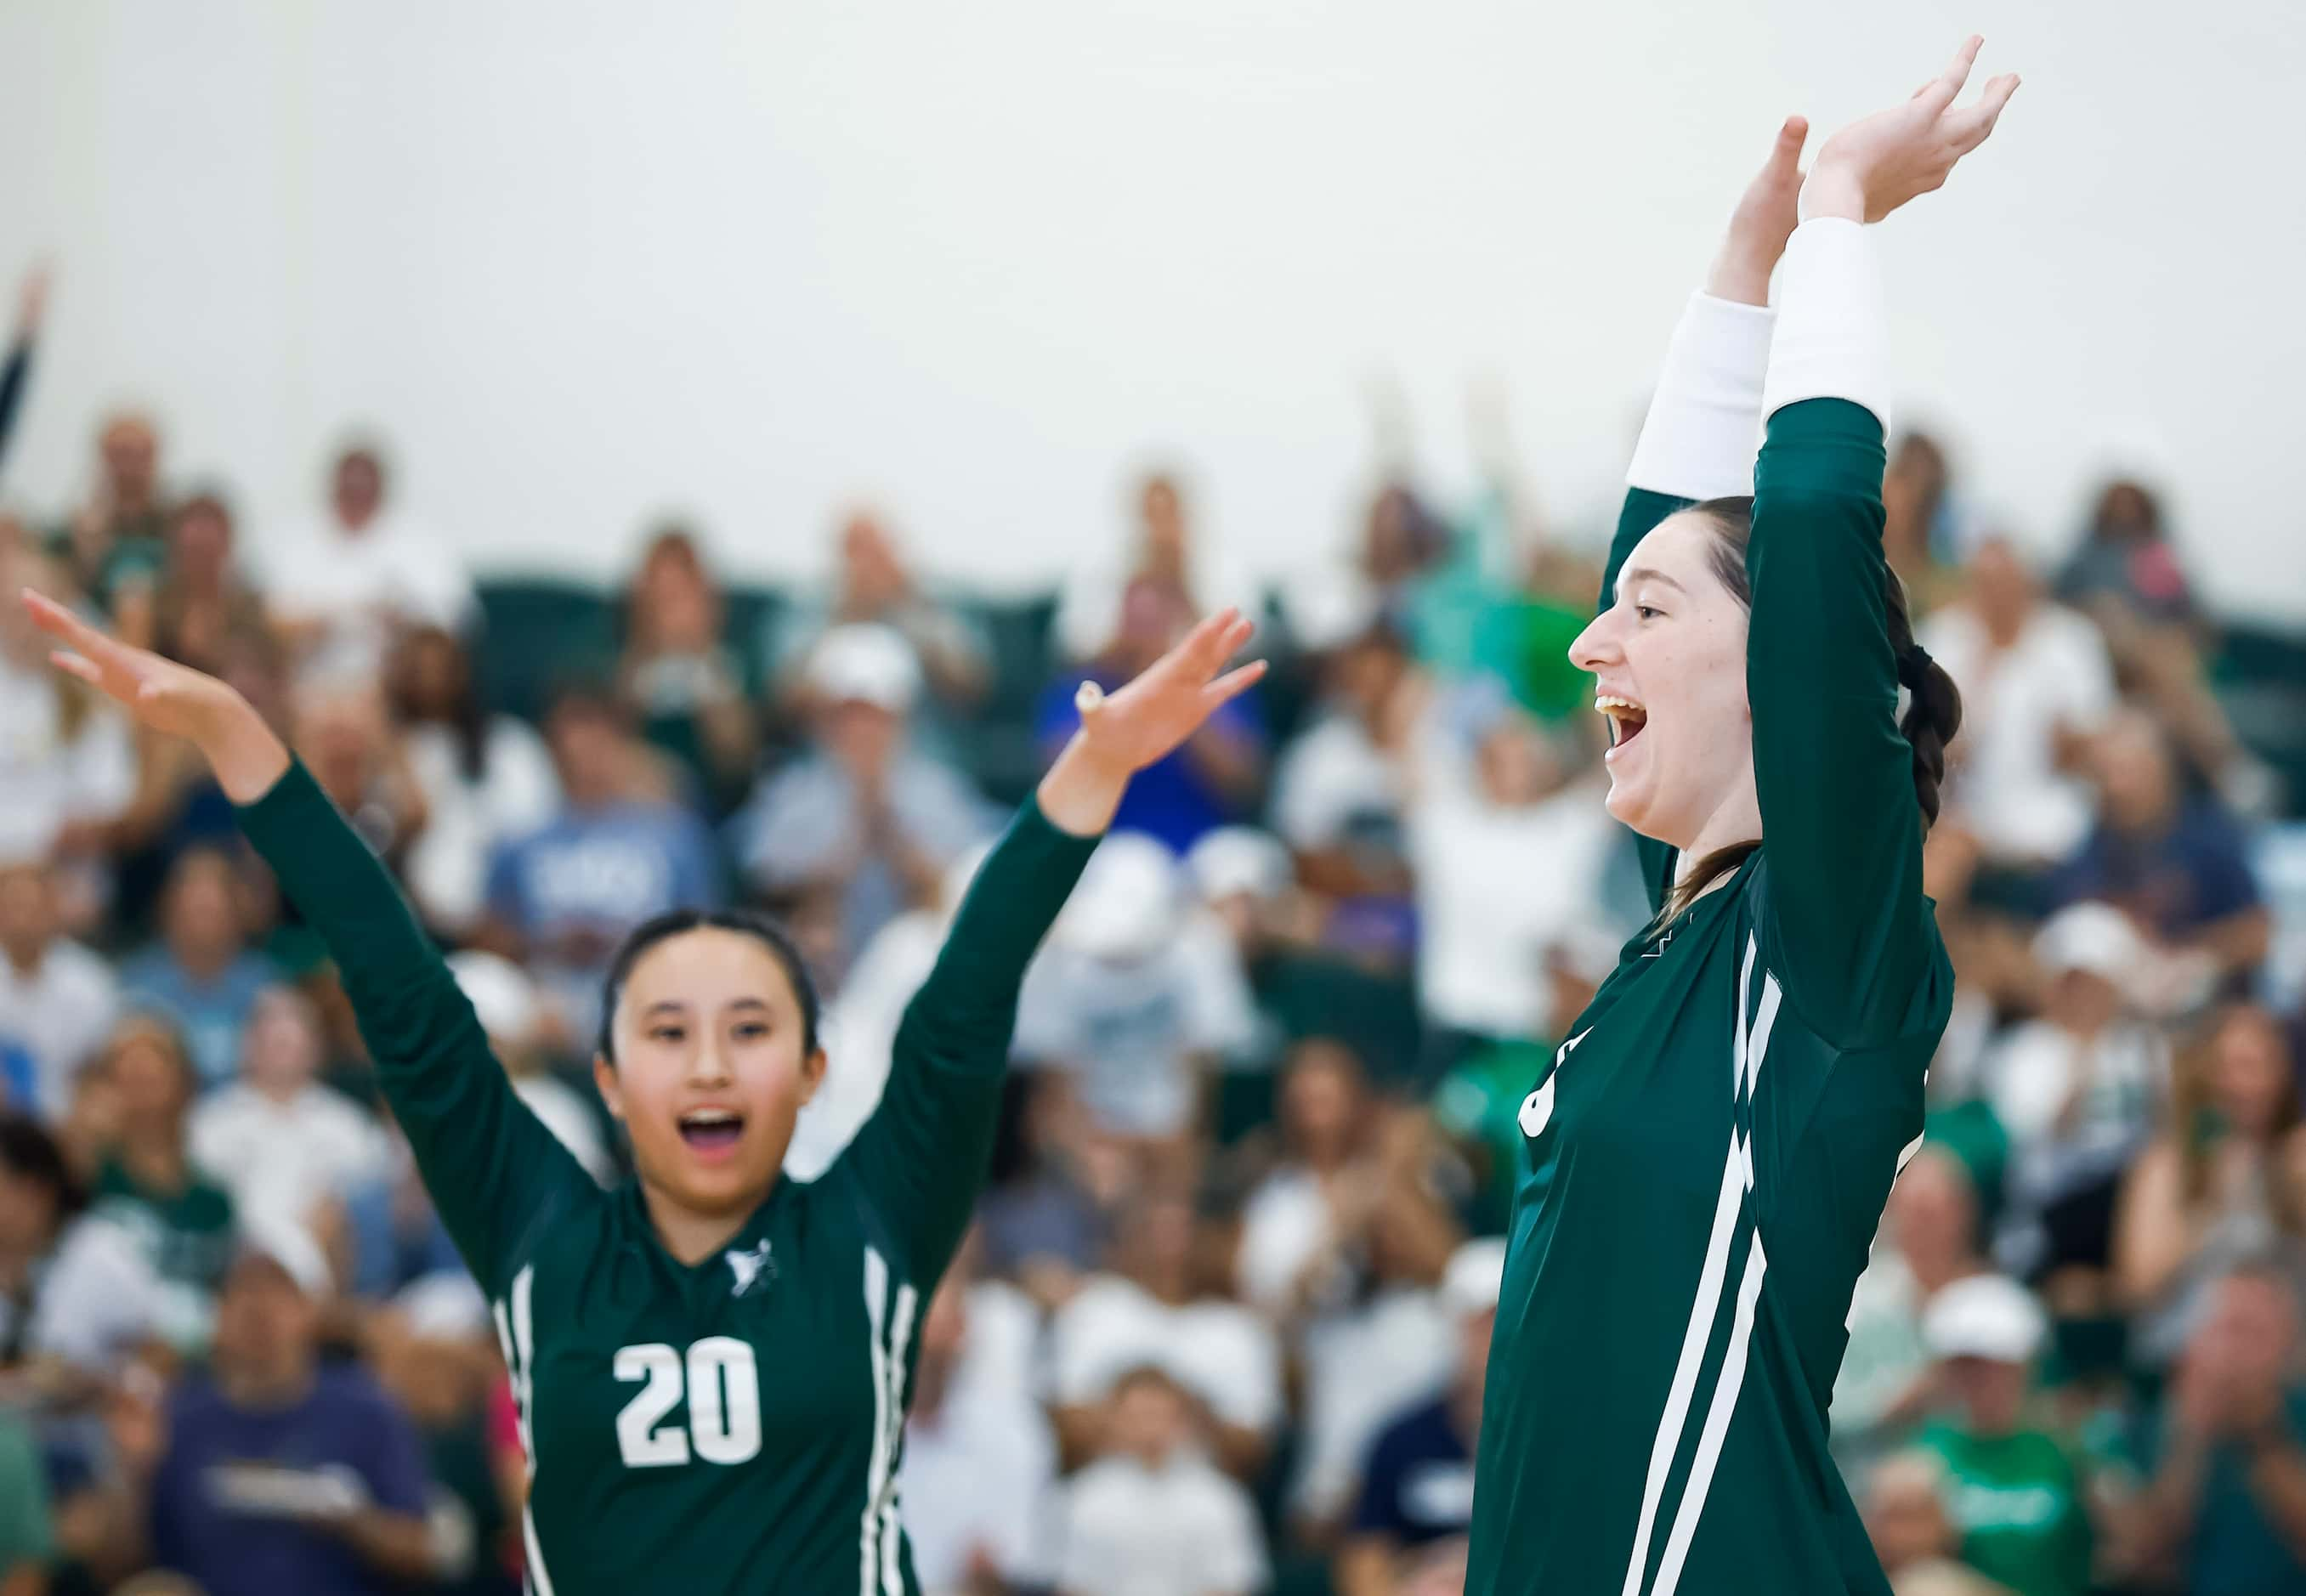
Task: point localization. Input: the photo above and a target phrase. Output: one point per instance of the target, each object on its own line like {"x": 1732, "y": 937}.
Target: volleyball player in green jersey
{"x": 712, "y": 1362}
{"x": 1709, "y": 1152}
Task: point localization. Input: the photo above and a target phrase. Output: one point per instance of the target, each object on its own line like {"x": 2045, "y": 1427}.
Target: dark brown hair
{"x": 1933, "y": 709}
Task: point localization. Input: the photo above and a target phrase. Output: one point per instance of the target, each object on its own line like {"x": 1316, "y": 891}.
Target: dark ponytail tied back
{"x": 1933, "y": 703}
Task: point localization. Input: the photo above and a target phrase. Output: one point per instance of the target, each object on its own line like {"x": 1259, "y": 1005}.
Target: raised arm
{"x": 1835, "y": 772}
{"x": 493, "y": 1168}
{"x": 921, "y": 1156}
{"x": 1704, "y": 419}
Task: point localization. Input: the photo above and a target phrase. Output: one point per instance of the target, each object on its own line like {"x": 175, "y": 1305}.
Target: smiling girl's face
{"x": 1669, "y": 662}
{"x": 712, "y": 1067}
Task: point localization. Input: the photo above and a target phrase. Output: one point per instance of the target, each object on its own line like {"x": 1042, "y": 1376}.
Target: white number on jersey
{"x": 723, "y": 1386}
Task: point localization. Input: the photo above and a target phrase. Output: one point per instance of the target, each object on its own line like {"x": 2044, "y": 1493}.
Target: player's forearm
{"x": 969, "y": 1003}
{"x": 1704, "y": 418}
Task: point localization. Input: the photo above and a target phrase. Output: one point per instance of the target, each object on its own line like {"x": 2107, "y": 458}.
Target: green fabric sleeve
{"x": 1841, "y": 831}
{"x": 1643, "y": 510}
{"x": 492, "y": 1169}
{"x": 922, "y": 1154}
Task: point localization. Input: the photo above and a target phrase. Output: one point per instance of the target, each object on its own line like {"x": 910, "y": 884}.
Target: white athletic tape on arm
{"x": 1705, "y": 425}
{"x": 1833, "y": 331}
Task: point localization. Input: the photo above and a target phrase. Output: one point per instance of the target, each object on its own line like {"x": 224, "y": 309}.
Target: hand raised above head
{"x": 1763, "y": 220}
{"x": 170, "y": 698}
{"x": 1878, "y": 163}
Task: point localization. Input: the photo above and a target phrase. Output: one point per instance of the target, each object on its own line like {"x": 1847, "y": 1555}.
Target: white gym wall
{"x": 581, "y": 261}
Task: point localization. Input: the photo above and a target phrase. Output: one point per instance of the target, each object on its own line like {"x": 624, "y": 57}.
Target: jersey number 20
{"x": 723, "y": 1386}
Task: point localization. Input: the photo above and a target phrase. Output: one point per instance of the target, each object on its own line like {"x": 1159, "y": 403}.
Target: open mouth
{"x": 712, "y": 1130}
{"x": 1626, "y": 718}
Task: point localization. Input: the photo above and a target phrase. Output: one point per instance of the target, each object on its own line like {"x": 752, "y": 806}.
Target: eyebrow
{"x": 674, "y": 1005}
{"x": 1647, "y": 573}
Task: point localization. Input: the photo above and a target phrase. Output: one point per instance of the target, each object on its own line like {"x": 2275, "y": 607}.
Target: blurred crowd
{"x": 1221, "y": 1324}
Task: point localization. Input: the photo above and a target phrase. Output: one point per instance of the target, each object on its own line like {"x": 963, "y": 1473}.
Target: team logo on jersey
{"x": 1537, "y": 1108}
{"x": 751, "y": 1267}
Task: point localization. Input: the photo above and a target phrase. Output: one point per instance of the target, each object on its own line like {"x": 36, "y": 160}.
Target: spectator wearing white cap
{"x": 1930, "y": 1238}
{"x": 1137, "y": 994}
{"x": 276, "y": 1472}
{"x": 2079, "y": 1090}
{"x": 2012, "y": 1490}
{"x": 1417, "y": 1480}
{"x": 1153, "y": 1516}
{"x": 864, "y": 819}
{"x": 1162, "y": 1303}
{"x": 505, "y": 1001}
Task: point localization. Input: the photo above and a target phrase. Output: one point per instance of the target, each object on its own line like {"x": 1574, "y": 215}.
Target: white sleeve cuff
{"x": 1833, "y": 331}
{"x": 1705, "y": 423}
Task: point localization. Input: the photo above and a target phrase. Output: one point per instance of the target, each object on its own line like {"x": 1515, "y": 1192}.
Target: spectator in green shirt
{"x": 2012, "y": 1489}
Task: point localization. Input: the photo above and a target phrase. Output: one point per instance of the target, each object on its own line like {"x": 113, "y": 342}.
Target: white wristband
{"x": 1833, "y": 331}
{"x": 1705, "y": 423}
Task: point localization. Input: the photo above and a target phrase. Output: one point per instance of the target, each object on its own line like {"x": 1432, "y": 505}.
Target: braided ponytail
{"x": 1933, "y": 703}
{"x": 1932, "y": 712}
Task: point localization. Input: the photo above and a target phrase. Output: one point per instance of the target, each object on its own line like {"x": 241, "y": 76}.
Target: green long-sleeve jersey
{"x": 1708, "y": 1154}
{"x": 732, "y": 1426}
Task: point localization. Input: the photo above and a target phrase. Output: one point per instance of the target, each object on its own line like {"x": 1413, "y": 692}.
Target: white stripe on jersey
{"x": 1717, "y": 1425}
{"x": 1747, "y": 1049}
{"x": 877, "y": 1292}
{"x": 518, "y": 1340}
{"x": 1703, "y": 1312}
{"x": 901, "y": 1335}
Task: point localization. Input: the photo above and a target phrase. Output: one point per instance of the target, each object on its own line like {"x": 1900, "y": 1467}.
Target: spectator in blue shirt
{"x": 621, "y": 851}
{"x": 1417, "y": 1483}
{"x": 201, "y": 977}
{"x": 276, "y": 1472}
{"x": 1214, "y": 778}
{"x": 2177, "y": 863}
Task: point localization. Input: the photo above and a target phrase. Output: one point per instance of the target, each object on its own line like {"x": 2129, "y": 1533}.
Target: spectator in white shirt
{"x": 1153, "y": 1517}
{"x": 2079, "y": 1090}
{"x": 1161, "y": 1304}
{"x": 1139, "y": 994}
{"x": 279, "y": 1141}
{"x": 57, "y": 999}
{"x": 486, "y": 779}
{"x": 1340, "y": 787}
{"x": 77, "y": 1296}
{"x": 67, "y": 760}
{"x": 1343, "y": 1244}
{"x": 339, "y": 589}
{"x": 1492, "y": 807}
{"x": 2036, "y": 680}
{"x": 512, "y": 1016}
{"x": 978, "y": 1460}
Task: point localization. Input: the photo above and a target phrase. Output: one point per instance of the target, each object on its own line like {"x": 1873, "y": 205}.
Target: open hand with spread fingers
{"x": 1144, "y": 722}
{"x": 1877, "y": 164}
{"x": 169, "y": 697}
